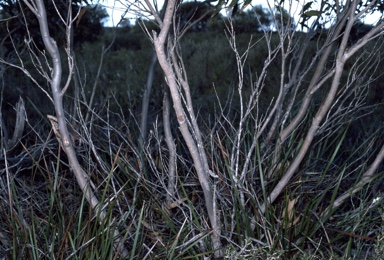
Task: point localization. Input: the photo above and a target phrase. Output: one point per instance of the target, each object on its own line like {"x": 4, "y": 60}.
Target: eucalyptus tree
{"x": 313, "y": 101}
{"x": 263, "y": 169}
{"x": 50, "y": 67}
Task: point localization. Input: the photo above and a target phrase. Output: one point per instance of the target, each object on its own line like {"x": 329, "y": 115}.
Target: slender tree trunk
{"x": 164, "y": 52}
{"x": 145, "y": 103}
{"x": 82, "y": 178}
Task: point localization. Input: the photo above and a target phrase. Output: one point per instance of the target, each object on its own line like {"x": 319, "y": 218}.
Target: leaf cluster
{"x": 19, "y": 24}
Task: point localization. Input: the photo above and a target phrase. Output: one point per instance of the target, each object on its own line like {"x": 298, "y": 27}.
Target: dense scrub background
{"x": 48, "y": 216}
{"x": 208, "y": 58}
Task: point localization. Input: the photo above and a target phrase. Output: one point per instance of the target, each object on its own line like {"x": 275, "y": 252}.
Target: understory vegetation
{"x": 245, "y": 153}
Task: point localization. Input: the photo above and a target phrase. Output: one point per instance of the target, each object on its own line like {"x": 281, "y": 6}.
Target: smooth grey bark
{"x": 19, "y": 125}
{"x": 38, "y": 8}
{"x": 163, "y": 54}
{"x": 316, "y": 81}
{"x": 145, "y": 103}
{"x": 343, "y": 54}
{"x": 149, "y": 84}
{"x": 367, "y": 178}
{"x": 18, "y": 130}
{"x": 171, "y": 148}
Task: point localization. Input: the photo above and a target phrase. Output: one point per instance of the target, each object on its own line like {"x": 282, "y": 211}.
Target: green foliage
{"x": 284, "y": 20}
{"x": 194, "y": 15}
{"x": 90, "y": 25}
{"x": 306, "y": 12}
{"x": 16, "y": 29}
{"x": 256, "y": 19}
